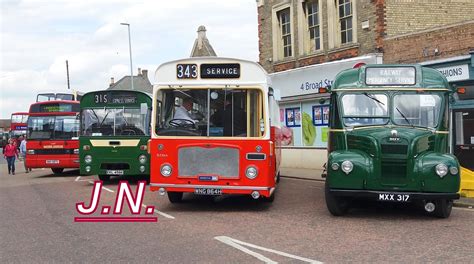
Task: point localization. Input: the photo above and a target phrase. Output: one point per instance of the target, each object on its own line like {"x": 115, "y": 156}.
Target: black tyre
{"x": 57, "y": 170}
{"x": 104, "y": 178}
{"x": 443, "y": 208}
{"x": 175, "y": 197}
{"x": 337, "y": 206}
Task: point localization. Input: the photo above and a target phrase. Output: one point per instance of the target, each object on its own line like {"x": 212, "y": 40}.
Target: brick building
{"x": 305, "y": 43}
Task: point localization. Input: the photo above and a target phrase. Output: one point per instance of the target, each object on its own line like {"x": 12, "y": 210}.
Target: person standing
{"x": 23, "y": 154}
{"x": 10, "y": 152}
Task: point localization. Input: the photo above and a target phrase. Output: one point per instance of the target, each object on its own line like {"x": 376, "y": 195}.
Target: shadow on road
{"x": 66, "y": 173}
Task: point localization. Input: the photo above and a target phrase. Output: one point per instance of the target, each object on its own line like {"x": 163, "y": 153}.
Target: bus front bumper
{"x": 393, "y": 196}
{"x": 226, "y": 189}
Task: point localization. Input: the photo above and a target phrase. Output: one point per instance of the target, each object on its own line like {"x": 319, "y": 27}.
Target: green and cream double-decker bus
{"x": 389, "y": 137}
{"x": 115, "y": 129}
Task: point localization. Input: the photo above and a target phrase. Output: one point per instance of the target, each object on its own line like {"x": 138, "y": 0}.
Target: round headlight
{"x": 76, "y": 151}
{"x": 453, "y": 170}
{"x": 441, "y": 170}
{"x": 88, "y": 168}
{"x": 88, "y": 159}
{"x": 251, "y": 172}
{"x": 166, "y": 170}
{"x": 142, "y": 168}
{"x": 334, "y": 166}
{"x": 347, "y": 166}
{"x": 142, "y": 159}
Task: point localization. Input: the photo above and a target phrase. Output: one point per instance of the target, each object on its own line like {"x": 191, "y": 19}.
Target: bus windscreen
{"x": 53, "y": 127}
{"x": 115, "y": 122}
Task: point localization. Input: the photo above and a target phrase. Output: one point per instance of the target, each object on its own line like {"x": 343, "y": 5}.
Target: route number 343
{"x": 186, "y": 71}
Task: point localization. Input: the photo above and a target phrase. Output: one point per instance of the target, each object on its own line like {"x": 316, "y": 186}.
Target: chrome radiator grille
{"x": 219, "y": 161}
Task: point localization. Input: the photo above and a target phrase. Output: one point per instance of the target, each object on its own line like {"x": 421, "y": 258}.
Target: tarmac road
{"x": 37, "y": 213}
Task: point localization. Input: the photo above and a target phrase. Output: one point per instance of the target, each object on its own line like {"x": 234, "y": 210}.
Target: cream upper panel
{"x": 251, "y": 73}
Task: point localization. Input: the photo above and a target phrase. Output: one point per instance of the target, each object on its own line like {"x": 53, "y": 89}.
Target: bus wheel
{"x": 175, "y": 197}
{"x": 57, "y": 170}
{"x": 104, "y": 178}
{"x": 337, "y": 206}
{"x": 443, "y": 208}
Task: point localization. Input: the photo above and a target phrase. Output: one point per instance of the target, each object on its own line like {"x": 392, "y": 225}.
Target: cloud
{"x": 39, "y": 36}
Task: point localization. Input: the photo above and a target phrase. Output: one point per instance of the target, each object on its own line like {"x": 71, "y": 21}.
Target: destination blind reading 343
{"x": 208, "y": 71}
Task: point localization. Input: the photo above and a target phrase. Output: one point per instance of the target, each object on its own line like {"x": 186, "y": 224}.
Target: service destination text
{"x": 220, "y": 71}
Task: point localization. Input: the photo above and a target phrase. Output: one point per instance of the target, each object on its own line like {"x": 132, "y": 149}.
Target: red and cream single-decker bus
{"x": 215, "y": 129}
{"x": 53, "y": 130}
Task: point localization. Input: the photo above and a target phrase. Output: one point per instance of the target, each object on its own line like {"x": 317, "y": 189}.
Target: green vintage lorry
{"x": 389, "y": 139}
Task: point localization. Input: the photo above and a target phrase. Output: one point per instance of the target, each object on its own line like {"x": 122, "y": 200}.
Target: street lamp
{"x": 130, "y": 49}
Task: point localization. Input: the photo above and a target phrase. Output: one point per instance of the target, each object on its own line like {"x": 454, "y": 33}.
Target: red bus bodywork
{"x": 53, "y": 153}
{"x": 166, "y": 151}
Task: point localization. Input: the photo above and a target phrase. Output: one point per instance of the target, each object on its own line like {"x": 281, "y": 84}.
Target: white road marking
{"x": 469, "y": 209}
{"x": 105, "y": 188}
{"x": 229, "y": 241}
{"x": 77, "y": 178}
{"x": 161, "y": 213}
{"x": 239, "y": 245}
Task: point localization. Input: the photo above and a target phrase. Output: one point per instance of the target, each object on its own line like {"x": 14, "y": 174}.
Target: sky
{"x": 38, "y": 36}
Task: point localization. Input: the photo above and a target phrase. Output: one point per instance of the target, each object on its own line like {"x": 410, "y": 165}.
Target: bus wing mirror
{"x": 275, "y": 93}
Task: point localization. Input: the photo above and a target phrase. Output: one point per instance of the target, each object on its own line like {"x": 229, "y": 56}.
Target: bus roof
{"x": 251, "y": 73}
{"x": 413, "y": 76}
{"x": 20, "y": 113}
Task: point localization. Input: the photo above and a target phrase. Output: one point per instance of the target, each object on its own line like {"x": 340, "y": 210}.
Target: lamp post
{"x": 130, "y": 49}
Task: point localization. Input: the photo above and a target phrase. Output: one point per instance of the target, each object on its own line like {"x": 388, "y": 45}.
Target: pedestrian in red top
{"x": 10, "y": 152}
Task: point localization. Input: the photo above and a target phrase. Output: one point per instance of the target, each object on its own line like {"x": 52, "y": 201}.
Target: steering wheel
{"x": 184, "y": 123}
{"x": 128, "y": 132}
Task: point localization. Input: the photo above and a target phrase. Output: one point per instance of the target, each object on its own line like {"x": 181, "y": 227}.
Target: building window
{"x": 345, "y": 20}
{"x": 312, "y": 12}
{"x": 285, "y": 29}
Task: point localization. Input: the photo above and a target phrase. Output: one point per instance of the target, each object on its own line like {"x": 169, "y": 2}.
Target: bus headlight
{"x": 453, "y": 170}
{"x": 31, "y": 151}
{"x": 166, "y": 170}
{"x": 441, "y": 170}
{"x": 251, "y": 172}
{"x": 347, "y": 166}
{"x": 335, "y": 166}
{"x": 86, "y": 147}
{"x": 88, "y": 168}
{"x": 76, "y": 151}
{"x": 142, "y": 159}
{"x": 142, "y": 168}
{"x": 88, "y": 159}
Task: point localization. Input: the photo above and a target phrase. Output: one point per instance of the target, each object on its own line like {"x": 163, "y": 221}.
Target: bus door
{"x": 463, "y": 125}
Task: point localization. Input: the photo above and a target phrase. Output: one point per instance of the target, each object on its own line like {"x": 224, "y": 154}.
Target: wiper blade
{"x": 406, "y": 119}
{"x": 373, "y": 98}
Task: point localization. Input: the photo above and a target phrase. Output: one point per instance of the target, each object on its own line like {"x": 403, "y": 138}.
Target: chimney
{"x": 139, "y": 71}
{"x": 145, "y": 73}
{"x": 201, "y": 35}
{"x": 112, "y": 81}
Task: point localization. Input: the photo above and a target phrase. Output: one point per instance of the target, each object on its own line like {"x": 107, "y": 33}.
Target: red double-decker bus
{"x": 53, "y": 135}
{"x": 215, "y": 129}
{"x": 18, "y": 124}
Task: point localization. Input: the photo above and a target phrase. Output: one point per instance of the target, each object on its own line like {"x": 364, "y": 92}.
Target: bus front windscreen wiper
{"x": 406, "y": 119}
{"x": 374, "y": 98}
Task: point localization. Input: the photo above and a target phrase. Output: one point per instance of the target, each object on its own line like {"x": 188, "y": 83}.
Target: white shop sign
{"x": 308, "y": 80}
{"x": 455, "y": 73}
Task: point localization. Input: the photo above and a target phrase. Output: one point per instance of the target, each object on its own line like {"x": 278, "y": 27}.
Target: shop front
{"x": 304, "y": 109}
{"x": 460, "y": 73}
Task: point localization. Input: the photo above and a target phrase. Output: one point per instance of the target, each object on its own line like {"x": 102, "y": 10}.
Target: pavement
{"x": 37, "y": 212}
